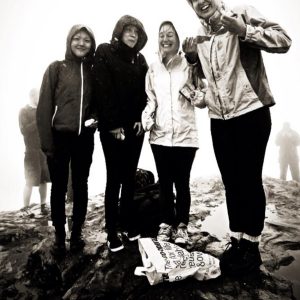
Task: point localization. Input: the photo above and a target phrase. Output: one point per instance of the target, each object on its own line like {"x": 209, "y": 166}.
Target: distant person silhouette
{"x": 35, "y": 163}
{"x": 288, "y": 140}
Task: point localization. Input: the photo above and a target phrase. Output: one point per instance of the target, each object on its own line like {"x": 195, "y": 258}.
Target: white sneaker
{"x": 181, "y": 234}
{"x": 165, "y": 232}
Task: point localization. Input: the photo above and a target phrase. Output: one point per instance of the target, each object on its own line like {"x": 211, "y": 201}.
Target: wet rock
{"x": 28, "y": 270}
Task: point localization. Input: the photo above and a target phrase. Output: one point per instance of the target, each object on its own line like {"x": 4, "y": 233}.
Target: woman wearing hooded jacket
{"x": 119, "y": 94}
{"x": 170, "y": 117}
{"x": 64, "y": 106}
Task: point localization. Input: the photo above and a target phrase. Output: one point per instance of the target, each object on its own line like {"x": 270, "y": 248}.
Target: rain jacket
{"x": 65, "y": 94}
{"x": 168, "y": 115}
{"x": 234, "y": 66}
{"x": 119, "y": 78}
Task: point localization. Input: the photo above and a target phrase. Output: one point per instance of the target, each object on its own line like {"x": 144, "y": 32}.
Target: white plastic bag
{"x": 164, "y": 261}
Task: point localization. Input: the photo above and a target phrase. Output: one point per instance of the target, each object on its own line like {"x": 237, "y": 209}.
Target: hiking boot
{"x": 59, "y": 246}
{"x": 165, "y": 232}
{"x": 77, "y": 243}
{"x": 243, "y": 259}
{"x": 181, "y": 234}
{"x": 230, "y": 254}
{"x": 114, "y": 242}
{"x": 132, "y": 235}
{"x": 44, "y": 210}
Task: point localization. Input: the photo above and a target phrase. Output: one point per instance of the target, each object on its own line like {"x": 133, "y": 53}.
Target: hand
{"x": 233, "y": 23}
{"x": 118, "y": 133}
{"x": 91, "y": 123}
{"x": 189, "y": 47}
{"x": 139, "y": 128}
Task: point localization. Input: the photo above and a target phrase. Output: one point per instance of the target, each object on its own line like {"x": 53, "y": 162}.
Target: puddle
{"x": 292, "y": 273}
{"x": 217, "y": 223}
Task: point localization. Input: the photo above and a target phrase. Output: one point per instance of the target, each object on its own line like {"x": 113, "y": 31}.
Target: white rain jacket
{"x": 168, "y": 115}
{"x": 234, "y": 67}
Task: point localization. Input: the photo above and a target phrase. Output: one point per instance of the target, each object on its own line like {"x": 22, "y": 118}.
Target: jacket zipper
{"x": 213, "y": 75}
{"x": 81, "y": 98}
{"x": 171, "y": 106}
{"x": 55, "y": 111}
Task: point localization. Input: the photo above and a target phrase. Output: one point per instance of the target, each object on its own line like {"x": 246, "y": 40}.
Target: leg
{"x": 163, "y": 157}
{"x": 182, "y": 170}
{"x": 81, "y": 159}
{"x": 128, "y": 211}
{"x": 27, "y": 194}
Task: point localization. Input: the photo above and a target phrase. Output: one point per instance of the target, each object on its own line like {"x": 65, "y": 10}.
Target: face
{"x": 130, "y": 35}
{"x": 81, "y": 44}
{"x": 168, "y": 42}
{"x": 205, "y": 8}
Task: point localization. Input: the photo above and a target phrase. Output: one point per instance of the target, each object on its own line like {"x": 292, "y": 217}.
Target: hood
{"x": 69, "y": 54}
{"x": 172, "y": 25}
{"x": 118, "y": 30}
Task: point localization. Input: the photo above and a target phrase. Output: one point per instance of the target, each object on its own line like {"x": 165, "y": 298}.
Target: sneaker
{"x": 181, "y": 234}
{"x": 114, "y": 243}
{"x": 132, "y": 235}
{"x": 165, "y": 232}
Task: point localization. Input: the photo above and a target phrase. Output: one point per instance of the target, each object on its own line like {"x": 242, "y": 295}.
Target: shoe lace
{"x": 165, "y": 230}
{"x": 182, "y": 232}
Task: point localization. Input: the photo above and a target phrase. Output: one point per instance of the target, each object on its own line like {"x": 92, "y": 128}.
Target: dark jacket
{"x": 119, "y": 78}
{"x": 65, "y": 94}
{"x": 28, "y": 128}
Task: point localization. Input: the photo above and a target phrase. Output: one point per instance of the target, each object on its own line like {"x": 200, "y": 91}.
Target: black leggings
{"x": 173, "y": 166}
{"x": 240, "y": 145}
{"x": 121, "y": 158}
{"x": 77, "y": 151}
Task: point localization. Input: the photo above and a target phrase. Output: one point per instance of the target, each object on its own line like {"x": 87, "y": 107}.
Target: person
{"x": 170, "y": 118}
{"x": 63, "y": 110}
{"x": 238, "y": 98}
{"x": 288, "y": 140}
{"x": 119, "y": 86}
{"x": 35, "y": 163}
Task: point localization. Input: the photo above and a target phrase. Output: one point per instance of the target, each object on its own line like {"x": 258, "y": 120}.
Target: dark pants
{"x": 174, "y": 166}
{"x": 76, "y": 151}
{"x": 121, "y": 158}
{"x": 240, "y": 145}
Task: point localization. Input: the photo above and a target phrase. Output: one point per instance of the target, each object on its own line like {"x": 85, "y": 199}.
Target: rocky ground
{"x": 29, "y": 271}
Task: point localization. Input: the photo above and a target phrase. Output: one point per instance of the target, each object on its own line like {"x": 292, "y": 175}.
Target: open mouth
{"x": 205, "y": 8}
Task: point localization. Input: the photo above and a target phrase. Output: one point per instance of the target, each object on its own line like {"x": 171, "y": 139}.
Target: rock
{"x": 30, "y": 271}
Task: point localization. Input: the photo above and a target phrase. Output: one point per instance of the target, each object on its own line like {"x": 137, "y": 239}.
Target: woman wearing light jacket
{"x": 238, "y": 99}
{"x": 170, "y": 118}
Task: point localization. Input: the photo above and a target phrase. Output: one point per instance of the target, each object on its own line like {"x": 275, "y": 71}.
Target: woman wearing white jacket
{"x": 170, "y": 118}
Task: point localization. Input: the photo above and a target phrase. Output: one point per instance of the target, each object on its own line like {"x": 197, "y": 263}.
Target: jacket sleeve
{"x": 262, "y": 33}
{"x": 105, "y": 99}
{"x": 26, "y": 125}
{"x": 148, "y": 114}
{"x": 143, "y": 97}
{"x": 45, "y": 108}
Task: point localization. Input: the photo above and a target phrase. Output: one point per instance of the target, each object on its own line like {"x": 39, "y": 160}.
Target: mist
{"x": 33, "y": 34}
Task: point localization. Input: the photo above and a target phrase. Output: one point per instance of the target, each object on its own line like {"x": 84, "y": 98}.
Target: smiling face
{"x": 205, "y": 8}
{"x": 168, "y": 40}
{"x": 81, "y": 43}
{"x": 130, "y": 35}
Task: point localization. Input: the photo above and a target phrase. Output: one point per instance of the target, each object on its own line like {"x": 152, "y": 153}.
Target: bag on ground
{"x": 164, "y": 261}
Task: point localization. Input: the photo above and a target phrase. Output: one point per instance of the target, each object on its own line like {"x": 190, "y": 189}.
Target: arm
{"x": 45, "y": 108}
{"x": 262, "y": 33}
{"x": 148, "y": 114}
{"x": 26, "y": 125}
{"x": 104, "y": 95}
